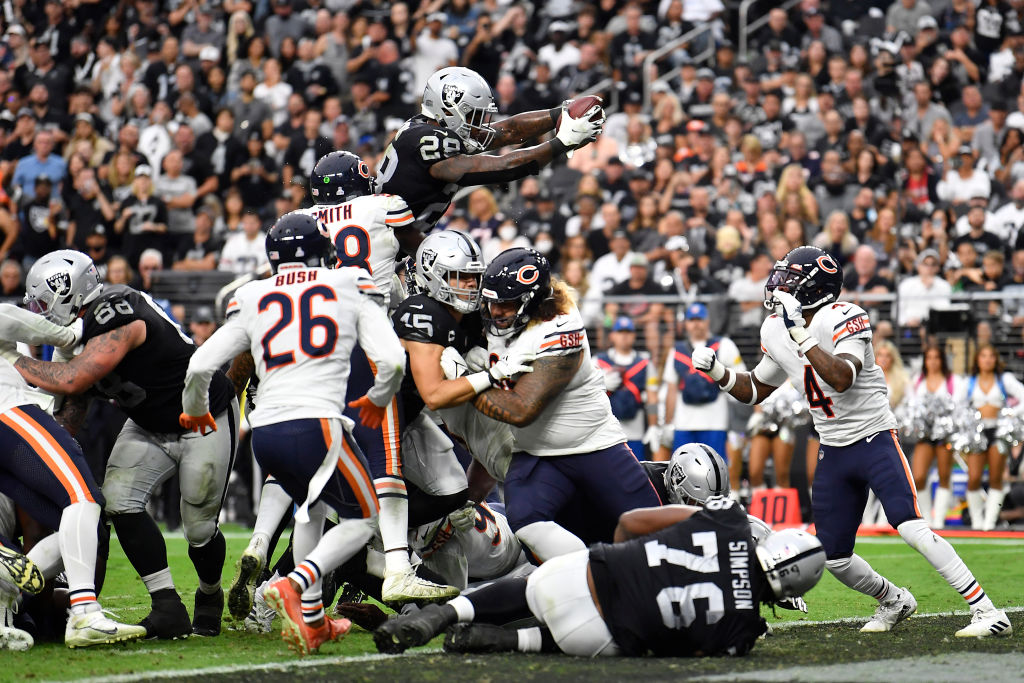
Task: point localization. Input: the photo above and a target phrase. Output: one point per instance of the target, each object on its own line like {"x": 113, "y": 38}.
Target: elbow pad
{"x": 501, "y": 177}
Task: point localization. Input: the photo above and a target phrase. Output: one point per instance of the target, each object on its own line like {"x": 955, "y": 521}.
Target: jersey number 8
{"x": 307, "y": 324}
{"x": 352, "y": 244}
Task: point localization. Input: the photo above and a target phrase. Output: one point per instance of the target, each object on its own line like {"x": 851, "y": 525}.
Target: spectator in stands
{"x": 12, "y": 284}
{"x": 284, "y": 23}
{"x": 836, "y": 239}
{"x": 142, "y": 220}
{"x": 44, "y": 222}
{"x": 200, "y": 250}
{"x": 630, "y": 378}
{"x": 646, "y": 314}
{"x": 244, "y": 251}
{"x": 964, "y": 180}
{"x": 919, "y": 294}
{"x": 178, "y": 192}
{"x": 256, "y": 174}
{"x": 306, "y": 148}
{"x": 977, "y": 235}
{"x": 150, "y": 261}
{"x": 613, "y": 267}
{"x": 202, "y": 324}
{"x": 42, "y": 161}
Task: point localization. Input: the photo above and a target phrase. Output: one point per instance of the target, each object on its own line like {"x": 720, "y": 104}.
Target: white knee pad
{"x": 917, "y": 534}
{"x": 549, "y": 539}
{"x": 838, "y": 564}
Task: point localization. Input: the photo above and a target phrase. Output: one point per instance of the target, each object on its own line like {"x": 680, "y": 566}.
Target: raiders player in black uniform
{"x": 437, "y": 151}
{"x": 679, "y": 581}
{"x": 134, "y": 354}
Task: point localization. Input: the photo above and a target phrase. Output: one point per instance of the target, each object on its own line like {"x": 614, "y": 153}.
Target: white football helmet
{"x": 59, "y": 284}
{"x": 792, "y": 561}
{"x": 446, "y": 254}
{"x": 460, "y": 100}
{"x": 695, "y": 473}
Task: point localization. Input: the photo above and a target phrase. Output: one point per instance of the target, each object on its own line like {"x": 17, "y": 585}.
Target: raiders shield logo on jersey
{"x": 451, "y": 95}
{"x": 59, "y": 283}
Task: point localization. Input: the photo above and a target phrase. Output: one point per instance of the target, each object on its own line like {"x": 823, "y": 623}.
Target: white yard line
{"x": 853, "y": 620}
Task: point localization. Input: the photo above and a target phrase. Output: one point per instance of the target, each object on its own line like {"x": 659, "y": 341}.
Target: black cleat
{"x": 209, "y": 608}
{"x": 246, "y": 577}
{"x": 168, "y": 620}
{"x": 397, "y": 635}
{"x": 480, "y": 639}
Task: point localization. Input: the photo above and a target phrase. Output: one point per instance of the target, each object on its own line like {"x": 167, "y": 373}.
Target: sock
{"x": 548, "y": 539}
{"x": 158, "y": 581}
{"x": 464, "y": 610}
{"x": 275, "y": 504}
{"x": 142, "y": 542}
{"x": 306, "y": 535}
{"x": 208, "y": 560}
{"x": 940, "y": 554}
{"x": 82, "y": 600}
{"x": 312, "y": 605}
{"x": 499, "y": 602}
{"x": 976, "y": 506}
{"x": 393, "y": 521}
{"x": 856, "y": 573}
{"x": 992, "y": 507}
{"x": 341, "y": 543}
{"x": 530, "y": 639}
{"x": 46, "y": 555}
{"x": 924, "y": 502}
{"x": 940, "y": 507}
{"x": 306, "y": 574}
{"x": 78, "y": 524}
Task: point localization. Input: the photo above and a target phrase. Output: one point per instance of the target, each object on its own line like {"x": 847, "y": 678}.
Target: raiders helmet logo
{"x": 451, "y": 95}
{"x": 59, "y": 283}
{"x": 428, "y": 257}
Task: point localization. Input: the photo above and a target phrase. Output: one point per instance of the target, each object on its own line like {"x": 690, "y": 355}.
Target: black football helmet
{"x": 809, "y": 274}
{"x": 339, "y": 177}
{"x": 519, "y": 274}
{"x": 298, "y": 237}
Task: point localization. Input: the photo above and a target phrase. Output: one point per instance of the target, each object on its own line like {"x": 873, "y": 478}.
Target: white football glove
{"x": 612, "y": 379}
{"x": 652, "y": 437}
{"x": 574, "y": 133}
{"x": 452, "y": 363}
{"x": 464, "y": 518}
{"x": 9, "y": 351}
{"x": 668, "y": 435}
{"x": 795, "y": 604}
{"x": 509, "y": 367}
{"x": 477, "y": 358}
{"x": 792, "y": 313}
{"x": 705, "y": 360}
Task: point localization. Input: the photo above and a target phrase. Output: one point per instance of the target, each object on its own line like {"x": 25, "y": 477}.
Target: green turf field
{"x": 238, "y": 656}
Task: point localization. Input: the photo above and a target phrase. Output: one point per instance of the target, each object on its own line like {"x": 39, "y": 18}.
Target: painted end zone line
{"x": 855, "y": 620}
{"x": 283, "y": 667}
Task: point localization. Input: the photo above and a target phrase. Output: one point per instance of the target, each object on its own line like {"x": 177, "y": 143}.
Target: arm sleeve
{"x": 225, "y": 344}
{"x": 855, "y": 346}
{"x": 769, "y": 372}
{"x": 17, "y": 324}
{"x": 379, "y": 341}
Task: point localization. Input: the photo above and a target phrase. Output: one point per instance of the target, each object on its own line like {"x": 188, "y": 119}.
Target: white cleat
{"x": 15, "y": 639}
{"x": 984, "y": 624}
{"x": 96, "y": 628}
{"x": 891, "y": 612}
{"x": 261, "y": 616}
{"x": 402, "y": 587}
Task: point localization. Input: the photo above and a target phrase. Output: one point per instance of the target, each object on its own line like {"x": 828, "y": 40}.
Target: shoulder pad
{"x": 114, "y": 308}
{"x": 419, "y": 318}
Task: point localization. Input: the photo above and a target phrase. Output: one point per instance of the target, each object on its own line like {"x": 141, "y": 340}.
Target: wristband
{"x": 853, "y": 369}
{"x": 716, "y": 371}
{"x": 651, "y": 409}
{"x": 753, "y": 390}
{"x": 807, "y": 344}
{"x": 554, "y": 113}
{"x": 480, "y": 381}
{"x": 799, "y": 334}
{"x": 727, "y": 387}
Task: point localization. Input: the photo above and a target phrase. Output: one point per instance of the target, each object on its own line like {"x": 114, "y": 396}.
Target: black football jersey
{"x": 405, "y": 170}
{"x": 656, "y": 473}
{"x": 148, "y": 382}
{"x": 422, "y": 319}
{"x": 693, "y": 588}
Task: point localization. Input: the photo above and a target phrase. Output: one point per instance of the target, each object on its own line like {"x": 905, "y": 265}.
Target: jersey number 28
{"x": 307, "y": 323}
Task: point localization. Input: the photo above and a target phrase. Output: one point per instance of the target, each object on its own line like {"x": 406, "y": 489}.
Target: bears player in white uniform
{"x": 824, "y": 348}
{"x": 301, "y": 326}
{"x": 566, "y": 441}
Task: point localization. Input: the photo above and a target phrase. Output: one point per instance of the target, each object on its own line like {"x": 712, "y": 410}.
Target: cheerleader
{"x": 989, "y": 389}
{"x": 935, "y": 378}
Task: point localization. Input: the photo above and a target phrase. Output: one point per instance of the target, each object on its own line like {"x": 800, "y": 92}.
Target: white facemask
{"x": 507, "y": 233}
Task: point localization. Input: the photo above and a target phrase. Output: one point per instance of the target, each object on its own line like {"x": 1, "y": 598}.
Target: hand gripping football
{"x": 580, "y": 106}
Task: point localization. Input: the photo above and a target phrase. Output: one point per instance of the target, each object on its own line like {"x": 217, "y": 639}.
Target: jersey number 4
{"x": 816, "y": 398}
{"x": 307, "y": 324}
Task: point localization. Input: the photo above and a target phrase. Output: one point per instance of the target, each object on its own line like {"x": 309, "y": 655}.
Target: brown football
{"x": 580, "y": 106}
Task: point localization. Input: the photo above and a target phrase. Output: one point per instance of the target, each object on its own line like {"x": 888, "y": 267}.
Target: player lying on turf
{"x": 300, "y": 326}
{"x": 824, "y": 347}
{"x": 679, "y": 581}
{"x": 45, "y": 473}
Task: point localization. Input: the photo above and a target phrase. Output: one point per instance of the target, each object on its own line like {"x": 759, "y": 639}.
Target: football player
{"x": 46, "y": 474}
{"x": 301, "y": 326}
{"x": 566, "y": 440}
{"x": 438, "y": 151}
{"x": 679, "y": 581}
{"x": 136, "y": 355}
{"x": 824, "y": 346}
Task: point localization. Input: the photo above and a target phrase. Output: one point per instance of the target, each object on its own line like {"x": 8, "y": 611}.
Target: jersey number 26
{"x": 307, "y": 323}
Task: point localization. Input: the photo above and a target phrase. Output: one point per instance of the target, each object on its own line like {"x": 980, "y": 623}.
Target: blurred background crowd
{"x": 167, "y": 135}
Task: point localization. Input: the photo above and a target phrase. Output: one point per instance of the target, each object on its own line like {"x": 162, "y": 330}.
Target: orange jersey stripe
{"x": 325, "y": 428}
{"x": 357, "y": 479}
{"x": 40, "y": 450}
{"x": 60, "y": 452}
{"x": 906, "y": 470}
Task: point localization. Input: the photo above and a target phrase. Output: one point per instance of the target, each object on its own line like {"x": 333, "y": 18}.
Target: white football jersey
{"x": 363, "y": 233}
{"x": 579, "y": 419}
{"x": 300, "y": 326}
{"x": 841, "y": 418}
